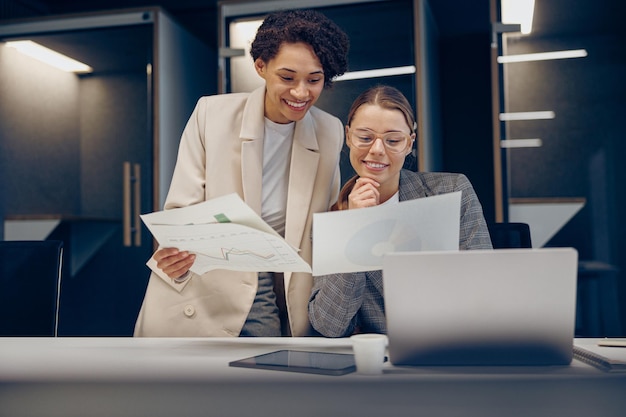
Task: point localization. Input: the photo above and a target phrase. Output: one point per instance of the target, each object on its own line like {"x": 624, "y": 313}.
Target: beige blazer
{"x": 221, "y": 152}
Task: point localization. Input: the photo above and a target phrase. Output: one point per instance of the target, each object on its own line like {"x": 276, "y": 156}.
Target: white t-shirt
{"x": 393, "y": 200}
{"x": 276, "y": 160}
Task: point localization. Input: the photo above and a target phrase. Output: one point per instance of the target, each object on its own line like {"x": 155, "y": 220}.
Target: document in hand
{"x": 355, "y": 240}
{"x": 224, "y": 233}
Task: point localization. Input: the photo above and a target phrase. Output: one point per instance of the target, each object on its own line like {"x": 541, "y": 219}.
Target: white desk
{"x": 190, "y": 377}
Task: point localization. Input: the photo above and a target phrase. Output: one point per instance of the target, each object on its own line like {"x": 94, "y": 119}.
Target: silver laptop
{"x": 482, "y": 307}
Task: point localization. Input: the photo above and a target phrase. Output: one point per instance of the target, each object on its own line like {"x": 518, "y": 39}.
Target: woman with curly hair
{"x": 280, "y": 154}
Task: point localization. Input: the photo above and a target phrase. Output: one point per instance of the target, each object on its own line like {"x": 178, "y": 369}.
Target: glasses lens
{"x": 394, "y": 142}
{"x": 363, "y": 139}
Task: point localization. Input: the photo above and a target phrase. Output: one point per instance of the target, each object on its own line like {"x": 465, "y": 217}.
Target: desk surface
{"x": 188, "y": 377}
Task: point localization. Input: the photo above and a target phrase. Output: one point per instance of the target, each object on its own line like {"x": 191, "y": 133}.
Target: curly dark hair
{"x": 328, "y": 41}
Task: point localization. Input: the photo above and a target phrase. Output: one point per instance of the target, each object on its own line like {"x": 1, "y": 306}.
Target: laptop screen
{"x": 482, "y": 307}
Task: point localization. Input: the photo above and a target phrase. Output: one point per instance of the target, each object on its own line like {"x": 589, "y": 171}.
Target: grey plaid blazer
{"x": 343, "y": 304}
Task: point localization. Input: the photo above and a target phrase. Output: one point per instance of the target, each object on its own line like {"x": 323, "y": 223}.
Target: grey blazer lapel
{"x": 411, "y": 186}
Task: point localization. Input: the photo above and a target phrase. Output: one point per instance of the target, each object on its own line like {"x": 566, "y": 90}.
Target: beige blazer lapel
{"x": 303, "y": 170}
{"x": 252, "y": 132}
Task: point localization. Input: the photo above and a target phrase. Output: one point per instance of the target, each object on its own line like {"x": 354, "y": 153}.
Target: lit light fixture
{"x": 527, "y": 115}
{"x": 383, "y": 72}
{"x": 50, "y": 57}
{"x": 518, "y": 11}
{"x": 543, "y": 56}
{"x": 521, "y": 143}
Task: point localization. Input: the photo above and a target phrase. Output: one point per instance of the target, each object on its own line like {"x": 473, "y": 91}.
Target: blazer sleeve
{"x": 188, "y": 181}
{"x": 334, "y": 303}
{"x": 473, "y": 233}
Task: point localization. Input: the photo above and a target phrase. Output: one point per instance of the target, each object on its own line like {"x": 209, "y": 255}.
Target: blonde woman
{"x": 380, "y": 134}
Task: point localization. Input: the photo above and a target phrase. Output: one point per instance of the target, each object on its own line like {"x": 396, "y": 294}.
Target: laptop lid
{"x": 481, "y": 307}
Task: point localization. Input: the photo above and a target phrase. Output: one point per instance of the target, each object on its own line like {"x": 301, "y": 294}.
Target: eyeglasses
{"x": 394, "y": 142}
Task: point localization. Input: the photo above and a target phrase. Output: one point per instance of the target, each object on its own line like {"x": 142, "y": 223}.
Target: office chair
{"x": 509, "y": 235}
{"x": 30, "y": 282}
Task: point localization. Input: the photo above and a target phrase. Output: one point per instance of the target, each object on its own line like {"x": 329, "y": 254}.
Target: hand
{"x": 364, "y": 193}
{"x": 173, "y": 262}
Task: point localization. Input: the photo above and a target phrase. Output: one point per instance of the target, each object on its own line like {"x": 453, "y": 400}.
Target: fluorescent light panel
{"x": 521, "y": 143}
{"x": 518, "y": 11}
{"x": 383, "y": 72}
{"x": 528, "y": 115}
{"x": 543, "y": 56}
{"x": 50, "y": 57}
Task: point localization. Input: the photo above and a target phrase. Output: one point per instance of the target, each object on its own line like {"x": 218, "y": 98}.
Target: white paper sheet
{"x": 224, "y": 233}
{"x": 355, "y": 240}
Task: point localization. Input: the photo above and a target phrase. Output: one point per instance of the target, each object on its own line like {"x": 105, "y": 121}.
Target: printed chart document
{"x": 355, "y": 240}
{"x": 224, "y": 233}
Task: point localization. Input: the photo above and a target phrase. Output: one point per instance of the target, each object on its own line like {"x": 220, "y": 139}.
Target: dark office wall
{"x": 60, "y": 135}
{"x": 465, "y": 75}
{"x": 185, "y": 69}
{"x": 583, "y": 147}
{"x": 39, "y": 127}
{"x": 114, "y": 127}
{"x": 578, "y": 157}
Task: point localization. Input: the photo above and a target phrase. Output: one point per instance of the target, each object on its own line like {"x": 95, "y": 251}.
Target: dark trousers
{"x": 264, "y": 317}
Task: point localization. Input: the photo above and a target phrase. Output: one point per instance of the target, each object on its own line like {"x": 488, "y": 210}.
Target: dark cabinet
{"x": 82, "y": 155}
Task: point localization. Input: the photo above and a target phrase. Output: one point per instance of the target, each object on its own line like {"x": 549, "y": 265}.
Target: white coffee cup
{"x": 369, "y": 352}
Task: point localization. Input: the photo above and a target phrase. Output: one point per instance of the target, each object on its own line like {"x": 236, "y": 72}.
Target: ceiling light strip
{"x": 521, "y": 143}
{"x": 48, "y": 56}
{"x": 528, "y": 115}
{"x": 383, "y": 72}
{"x": 543, "y": 56}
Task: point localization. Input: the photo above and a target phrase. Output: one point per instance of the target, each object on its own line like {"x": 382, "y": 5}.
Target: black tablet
{"x": 324, "y": 363}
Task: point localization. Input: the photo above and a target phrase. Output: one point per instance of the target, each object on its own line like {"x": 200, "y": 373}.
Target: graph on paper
{"x": 357, "y": 240}
{"x": 224, "y": 233}
{"x": 233, "y": 246}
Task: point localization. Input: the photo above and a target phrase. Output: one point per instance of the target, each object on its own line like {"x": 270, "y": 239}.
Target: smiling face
{"x": 294, "y": 80}
{"x": 375, "y": 162}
